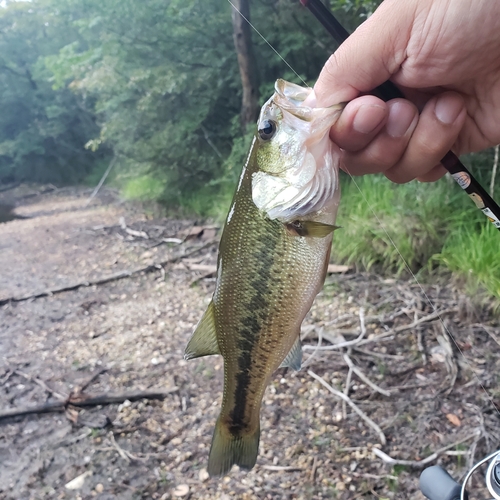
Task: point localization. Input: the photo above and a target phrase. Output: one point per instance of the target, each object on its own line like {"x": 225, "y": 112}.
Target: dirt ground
{"x": 381, "y": 344}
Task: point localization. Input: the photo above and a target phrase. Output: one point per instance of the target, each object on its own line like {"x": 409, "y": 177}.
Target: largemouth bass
{"x": 272, "y": 262}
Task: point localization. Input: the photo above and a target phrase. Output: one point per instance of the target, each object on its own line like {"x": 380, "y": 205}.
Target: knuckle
{"x": 382, "y": 155}
{"x": 398, "y": 175}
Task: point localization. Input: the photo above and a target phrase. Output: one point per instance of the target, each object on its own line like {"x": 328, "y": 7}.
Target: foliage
{"x": 163, "y": 77}
{"x": 159, "y": 77}
{"x": 143, "y": 188}
{"x": 42, "y": 132}
{"x": 155, "y": 85}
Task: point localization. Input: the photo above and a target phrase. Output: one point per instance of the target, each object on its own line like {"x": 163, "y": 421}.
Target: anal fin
{"x": 203, "y": 342}
{"x": 293, "y": 359}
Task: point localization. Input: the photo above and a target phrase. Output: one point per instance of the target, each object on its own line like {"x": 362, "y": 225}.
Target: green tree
{"x": 42, "y": 131}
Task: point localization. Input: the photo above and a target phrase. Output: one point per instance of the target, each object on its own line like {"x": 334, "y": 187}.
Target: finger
{"x": 369, "y": 57}
{"x": 437, "y": 130}
{"x": 360, "y": 121}
{"x": 433, "y": 175}
{"x": 389, "y": 145}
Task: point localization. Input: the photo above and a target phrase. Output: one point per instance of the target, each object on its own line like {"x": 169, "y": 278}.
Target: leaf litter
{"x": 374, "y": 341}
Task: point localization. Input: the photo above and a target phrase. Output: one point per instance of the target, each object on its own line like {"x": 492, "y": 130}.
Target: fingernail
{"x": 368, "y": 118}
{"x": 401, "y": 117}
{"x": 448, "y": 107}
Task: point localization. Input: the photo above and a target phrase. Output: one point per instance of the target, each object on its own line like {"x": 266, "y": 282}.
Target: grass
{"x": 472, "y": 254}
{"x": 373, "y": 211}
{"x": 432, "y": 226}
{"x": 143, "y": 188}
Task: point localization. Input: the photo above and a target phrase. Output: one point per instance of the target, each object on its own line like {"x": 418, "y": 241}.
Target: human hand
{"x": 445, "y": 56}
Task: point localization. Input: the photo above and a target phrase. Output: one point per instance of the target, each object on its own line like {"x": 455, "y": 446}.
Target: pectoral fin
{"x": 293, "y": 359}
{"x": 310, "y": 228}
{"x": 203, "y": 342}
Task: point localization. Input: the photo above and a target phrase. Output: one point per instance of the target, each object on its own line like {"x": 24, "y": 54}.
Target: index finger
{"x": 369, "y": 57}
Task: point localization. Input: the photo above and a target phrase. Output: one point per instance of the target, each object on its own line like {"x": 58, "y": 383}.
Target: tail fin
{"x": 227, "y": 450}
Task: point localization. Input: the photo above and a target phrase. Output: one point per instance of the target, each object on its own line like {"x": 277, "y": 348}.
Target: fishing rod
{"x": 388, "y": 91}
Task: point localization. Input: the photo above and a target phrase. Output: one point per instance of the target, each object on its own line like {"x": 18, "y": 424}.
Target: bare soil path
{"x": 388, "y": 352}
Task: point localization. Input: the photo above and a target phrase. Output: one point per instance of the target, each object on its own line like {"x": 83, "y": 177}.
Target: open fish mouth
{"x": 304, "y": 176}
{"x": 300, "y": 102}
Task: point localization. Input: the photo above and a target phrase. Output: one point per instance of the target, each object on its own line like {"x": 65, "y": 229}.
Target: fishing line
{"x": 427, "y": 298}
{"x": 265, "y": 40}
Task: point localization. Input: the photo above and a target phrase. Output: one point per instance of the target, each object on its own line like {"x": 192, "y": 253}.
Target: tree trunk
{"x": 246, "y": 62}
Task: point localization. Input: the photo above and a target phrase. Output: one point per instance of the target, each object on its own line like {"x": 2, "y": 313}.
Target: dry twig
{"x": 420, "y": 463}
{"x": 314, "y": 469}
{"x": 349, "y": 343}
{"x": 107, "y": 279}
{"x": 41, "y": 383}
{"x": 376, "y": 338}
{"x": 281, "y": 468}
{"x": 126, "y": 455}
{"x": 348, "y": 400}
{"x": 364, "y": 378}
{"x": 346, "y": 392}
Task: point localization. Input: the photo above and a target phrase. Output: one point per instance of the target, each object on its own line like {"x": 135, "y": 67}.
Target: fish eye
{"x": 267, "y": 130}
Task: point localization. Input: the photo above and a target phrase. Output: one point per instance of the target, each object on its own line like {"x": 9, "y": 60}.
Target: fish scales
{"x": 265, "y": 272}
{"x": 272, "y": 261}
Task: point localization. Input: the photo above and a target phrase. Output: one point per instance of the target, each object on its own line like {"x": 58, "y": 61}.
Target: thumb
{"x": 369, "y": 57}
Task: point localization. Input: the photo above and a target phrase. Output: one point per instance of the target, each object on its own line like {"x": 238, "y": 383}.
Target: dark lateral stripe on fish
{"x": 248, "y": 338}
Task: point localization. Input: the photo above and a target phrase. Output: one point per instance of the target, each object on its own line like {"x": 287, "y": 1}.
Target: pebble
{"x": 181, "y": 490}
{"x": 203, "y": 475}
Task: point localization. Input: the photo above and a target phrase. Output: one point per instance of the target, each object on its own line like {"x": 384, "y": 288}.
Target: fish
{"x": 272, "y": 262}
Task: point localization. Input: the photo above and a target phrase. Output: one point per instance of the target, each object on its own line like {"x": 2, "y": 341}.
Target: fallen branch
{"x": 420, "y": 463}
{"x": 107, "y": 279}
{"x": 360, "y": 340}
{"x": 348, "y": 400}
{"x": 81, "y": 401}
{"x": 101, "y": 182}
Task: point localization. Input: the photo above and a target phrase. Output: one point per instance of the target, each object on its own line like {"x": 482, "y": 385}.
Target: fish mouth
{"x": 302, "y": 177}
{"x": 299, "y": 102}
{"x": 292, "y": 92}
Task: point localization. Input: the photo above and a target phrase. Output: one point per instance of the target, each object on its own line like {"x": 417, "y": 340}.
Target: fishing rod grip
{"x": 437, "y": 484}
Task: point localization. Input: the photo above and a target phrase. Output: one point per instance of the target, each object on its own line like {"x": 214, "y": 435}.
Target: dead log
{"x": 82, "y": 401}
{"x": 106, "y": 279}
